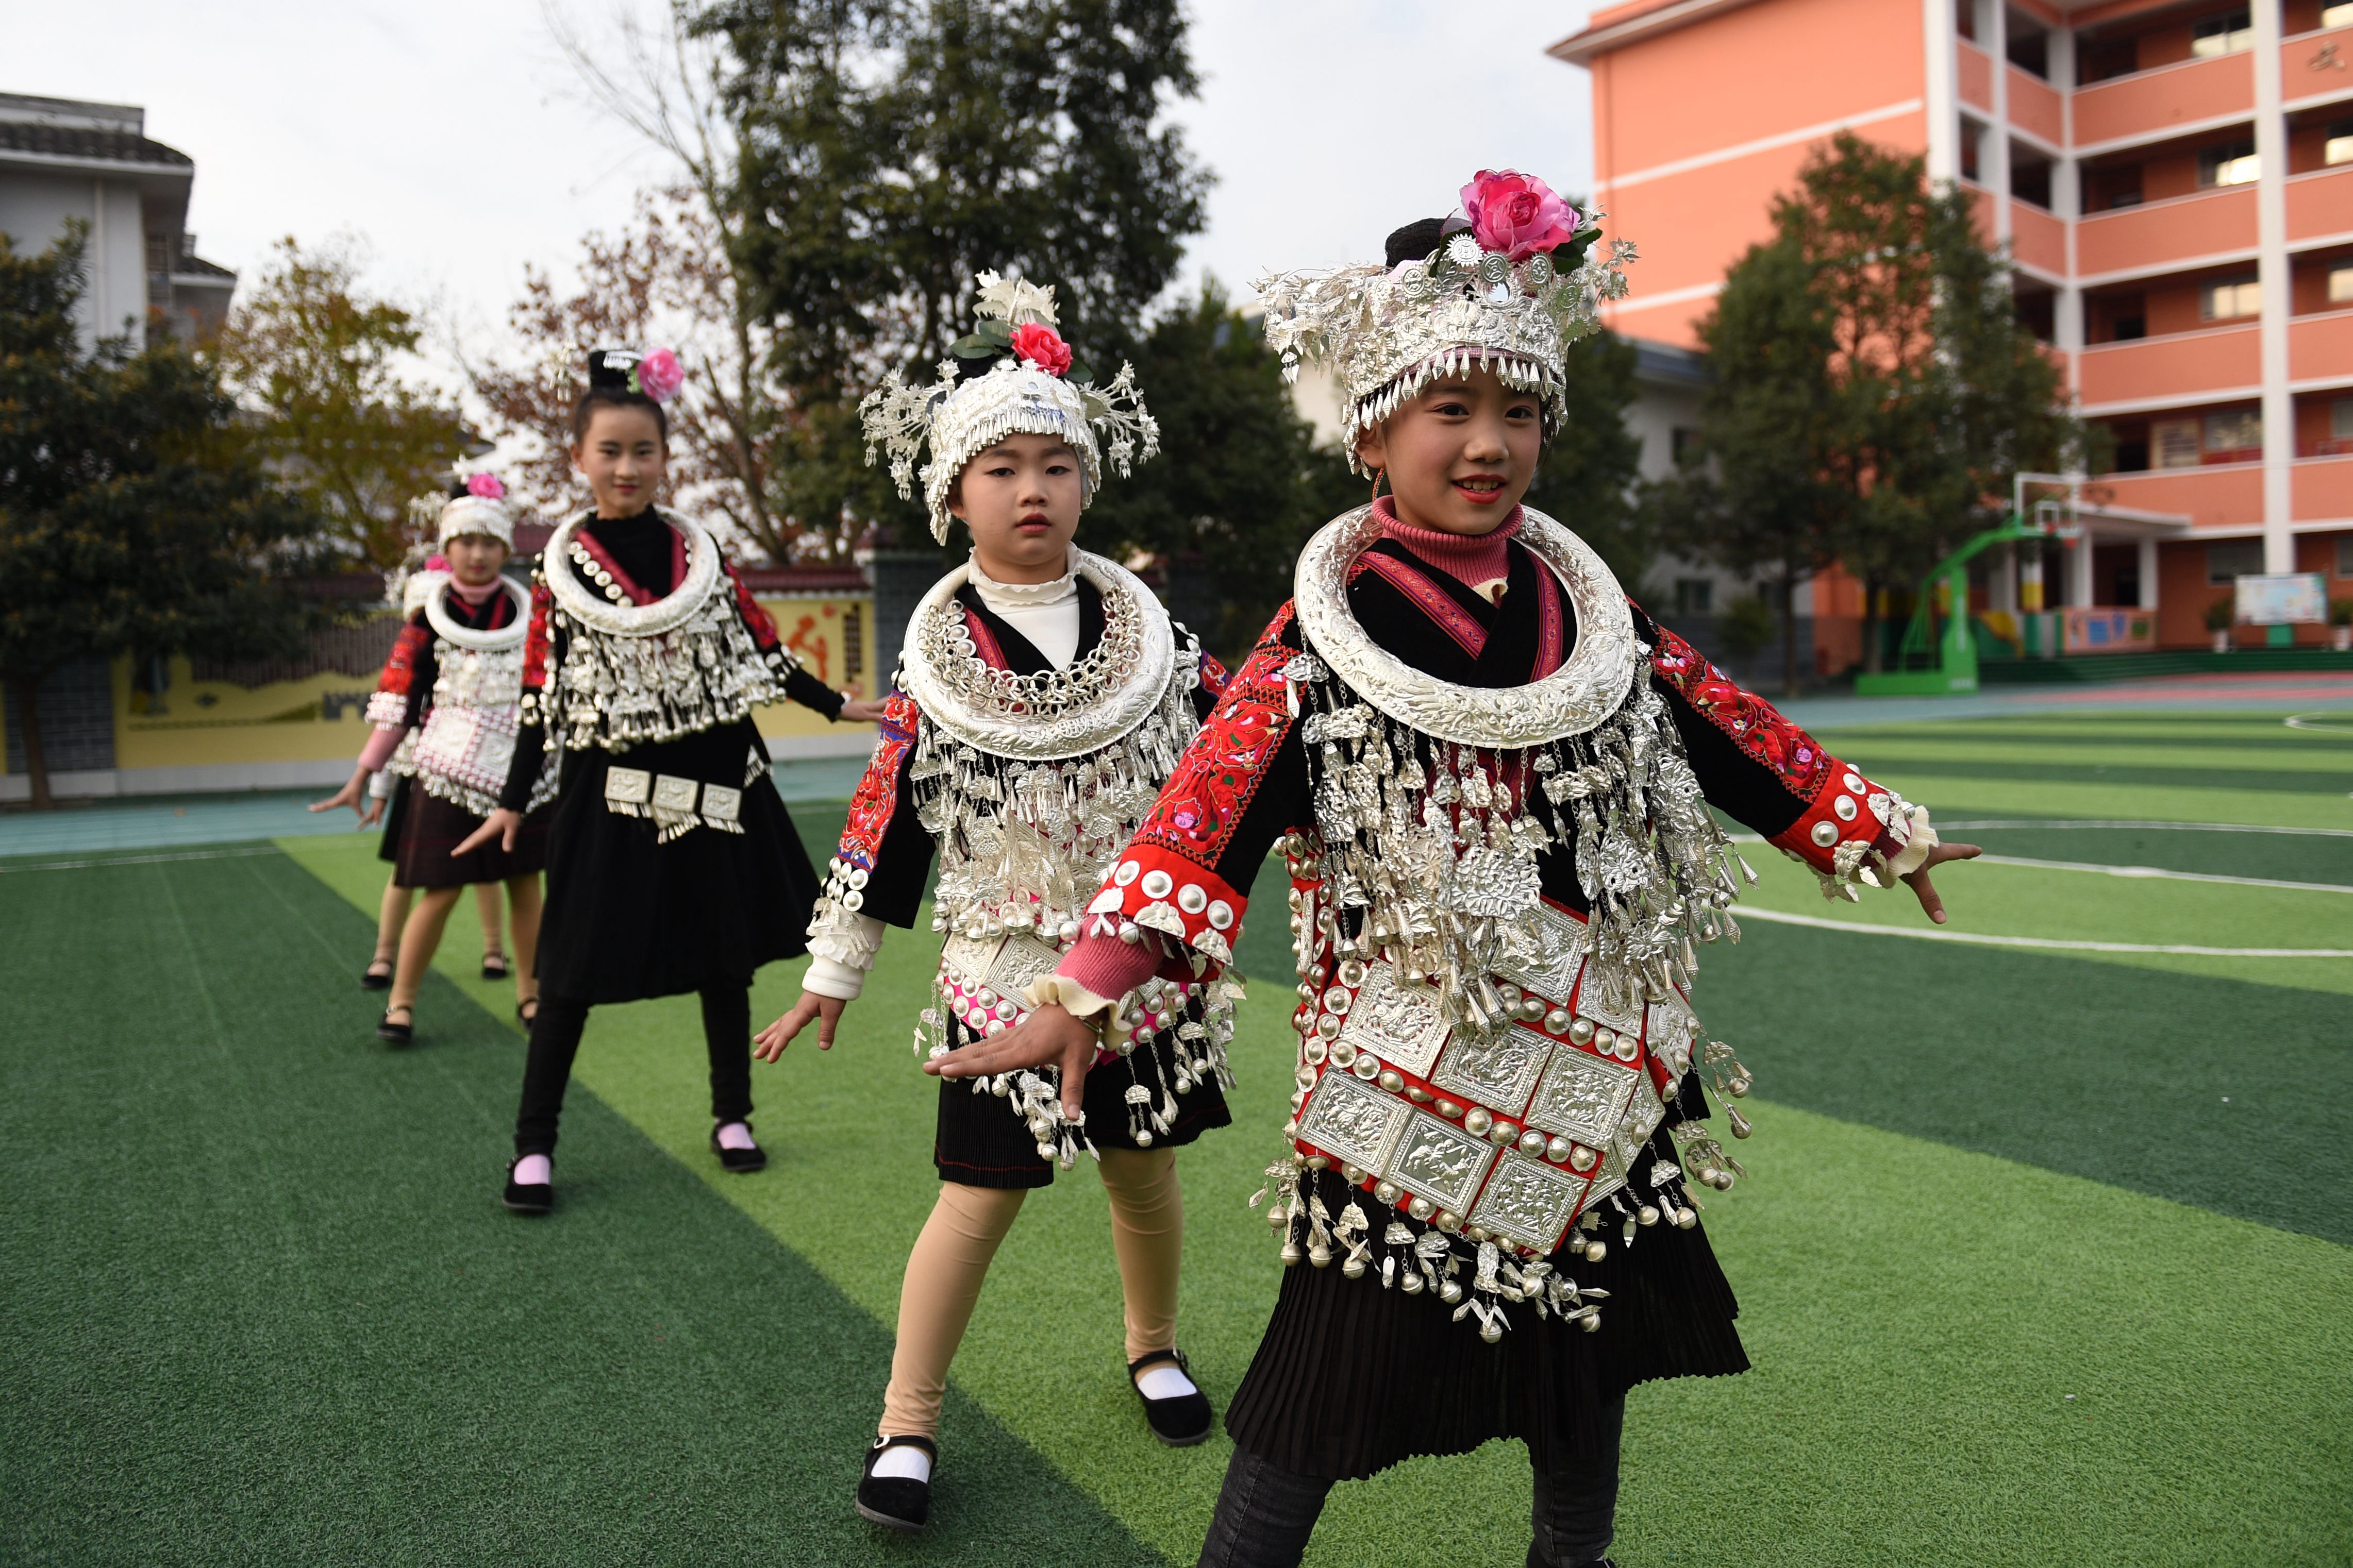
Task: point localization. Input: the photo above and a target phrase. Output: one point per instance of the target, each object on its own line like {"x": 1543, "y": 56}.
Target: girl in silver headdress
{"x": 673, "y": 864}
{"x": 1042, "y": 699}
{"x": 445, "y": 712}
{"x": 1490, "y": 776}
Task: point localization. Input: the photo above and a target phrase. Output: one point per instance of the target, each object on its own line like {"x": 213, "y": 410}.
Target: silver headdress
{"x": 1492, "y": 294}
{"x": 1034, "y": 388}
{"x": 473, "y": 504}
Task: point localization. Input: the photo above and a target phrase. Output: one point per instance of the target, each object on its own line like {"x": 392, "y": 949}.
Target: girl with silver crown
{"x": 1490, "y": 776}
{"x": 445, "y": 714}
{"x": 1042, "y": 697}
{"x": 673, "y": 864}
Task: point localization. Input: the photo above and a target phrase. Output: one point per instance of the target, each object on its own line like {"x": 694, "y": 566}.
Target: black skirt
{"x": 1352, "y": 1378}
{"x": 395, "y": 818}
{"x": 983, "y": 1143}
{"x": 629, "y": 918}
{"x": 434, "y": 826}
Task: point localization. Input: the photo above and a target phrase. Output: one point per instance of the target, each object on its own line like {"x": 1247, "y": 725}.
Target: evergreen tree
{"x": 134, "y": 517}
{"x": 888, "y": 150}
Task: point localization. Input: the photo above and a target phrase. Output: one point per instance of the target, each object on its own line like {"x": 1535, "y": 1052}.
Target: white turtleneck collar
{"x": 1045, "y": 612}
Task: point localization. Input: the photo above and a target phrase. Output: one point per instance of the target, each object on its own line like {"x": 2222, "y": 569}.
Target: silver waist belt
{"x": 678, "y": 806}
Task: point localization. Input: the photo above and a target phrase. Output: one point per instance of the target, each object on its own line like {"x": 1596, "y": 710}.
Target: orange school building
{"x": 2175, "y": 183}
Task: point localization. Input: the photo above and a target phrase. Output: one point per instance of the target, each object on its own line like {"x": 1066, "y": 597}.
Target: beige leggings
{"x": 952, "y": 1257}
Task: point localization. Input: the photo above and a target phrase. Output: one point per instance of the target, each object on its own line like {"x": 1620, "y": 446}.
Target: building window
{"x": 2233, "y": 559}
{"x": 2340, "y": 419}
{"x": 2174, "y": 443}
{"x": 2335, "y": 15}
{"x": 2231, "y": 163}
{"x": 2340, "y": 285}
{"x": 2225, "y": 34}
{"x": 2230, "y": 301}
{"x": 2338, "y": 148}
{"x": 1683, "y": 444}
{"x": 1971, "y": 134}
{"x": 2345, "y": 540}
{"x": 2235, "y": 436}
{"x": 1694, "y": 597}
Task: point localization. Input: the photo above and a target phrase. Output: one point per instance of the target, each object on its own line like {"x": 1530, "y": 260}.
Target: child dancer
{"x": 673, "y": 864}
{"x": 1042, "y": 699}
{"x": 455, "y": 679}
{"x": 1490, "y": 776}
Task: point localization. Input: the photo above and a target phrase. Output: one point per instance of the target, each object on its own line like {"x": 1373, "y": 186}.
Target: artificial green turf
{"x": 262, "y": 1306}
{"x": 1918, "y": 1311}
{"x": 2215, "y": 851}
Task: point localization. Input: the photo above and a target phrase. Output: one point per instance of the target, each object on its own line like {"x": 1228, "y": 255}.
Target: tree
{"x": 664, "y": 279}
{"x": 319, "y": 363}
{"x": 1587, "y": 479}
{"x": 1874, "y": 389}
{"x": 889, "y": 150}
{"x": 135, "y": 515}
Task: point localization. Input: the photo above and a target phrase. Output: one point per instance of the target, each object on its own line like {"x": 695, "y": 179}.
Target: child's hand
{"x": 825, "y": 1010}
{"x": 861, "y": 711}
{"x": 1930, "y": 902}
{"x": 1049, "y": 1037}
{"x": 501, "y": 825}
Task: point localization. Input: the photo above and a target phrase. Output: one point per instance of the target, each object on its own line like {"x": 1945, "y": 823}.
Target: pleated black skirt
{"x": 433, "y": 827}
{"x": 628, "y": 917}
{"x": 982, "y": 1143}
{"x": 1351, "y": 1378}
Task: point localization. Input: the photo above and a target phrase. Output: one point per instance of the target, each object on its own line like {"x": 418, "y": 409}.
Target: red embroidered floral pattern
{"x": 535, "y": 641}
{"x": 400, "y": 665}
{"x": 877, "y": 795}
{"x": 763, "y": 628}
{"x": 1204, "y": 797}
{"x": 1756, "y": 726}
{"x": 985, "y": 645}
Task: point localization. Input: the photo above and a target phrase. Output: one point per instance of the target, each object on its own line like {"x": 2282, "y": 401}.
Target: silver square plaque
{"x": 1352, "y": 1121}
{"x": 1582, "y": 1097}
{"x": 720, "y": 803}
{"x": 1528, "y": 1201}
{"x": 1021, "y": 960}
{"x": 969, "y": 958}
{"x": 1397, "y": 1022}
{"x": 1542, "y": 953}
{"x": 674, "y": 793}
{"x": 1498, "y": 1076}
{"x": 630, "y": 786}
{"x": 1438, "y": 1160}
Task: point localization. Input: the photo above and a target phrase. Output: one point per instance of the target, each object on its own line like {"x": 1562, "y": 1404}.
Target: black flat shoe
{"x": 536, "y": 1198}
{"x": 742, "y": 1161}
{"x": 895, "y": 1502}
{"x": 398, "y": 1033}
{"x": 528, "y": 1017}
{"x": 371, "y": 981}
{"x": 494, "y": 967}
{"x": 1180, "y": 1422}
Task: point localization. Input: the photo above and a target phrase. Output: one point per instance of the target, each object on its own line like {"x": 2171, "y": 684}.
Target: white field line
{"x": 2158, "y": 826}
{"x": 2159, "y": 872}
{"x": 2063, "y": 943}
{"x": 145, "y": 860}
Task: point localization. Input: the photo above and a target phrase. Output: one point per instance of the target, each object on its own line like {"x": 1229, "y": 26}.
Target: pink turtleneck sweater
{"x": 1108, "y": 968}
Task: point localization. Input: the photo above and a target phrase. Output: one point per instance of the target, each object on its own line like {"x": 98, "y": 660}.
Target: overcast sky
{"x": 449, "y": 137}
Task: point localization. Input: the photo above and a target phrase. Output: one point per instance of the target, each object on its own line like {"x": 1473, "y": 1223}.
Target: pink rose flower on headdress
{"x": 1516, "y": 214}
{"x": 436, "y": 563}
{"x": 658, "y": 375}
{"x": 1041, "y": 346}
{"x": 486, "y": 486}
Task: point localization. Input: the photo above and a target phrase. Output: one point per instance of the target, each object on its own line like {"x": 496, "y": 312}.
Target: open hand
{"x": 354, "y": 793}
{"x": 1049, "y": 1037}
{"x": 500, "y": 825}
{"x": 861, "y": 711}
{"x": 770, "y": 1042}
{"x": 1929, "y": 901}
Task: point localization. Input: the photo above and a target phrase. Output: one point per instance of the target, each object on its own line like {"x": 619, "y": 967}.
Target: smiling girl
{"x": 672, "y": 864}
{"x": 1042, "y": 695}
{"x": 1491, "y": 776}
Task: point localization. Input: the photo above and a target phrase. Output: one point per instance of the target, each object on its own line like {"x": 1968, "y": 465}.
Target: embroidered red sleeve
{"x": 876, "y": 798}
{"x": 1213, "y": 676}
{"x": 396, "y": 684}
{"x": 1844, "y": 820}
{"x": 1166, "y": 881}
{"x": 534, "y": 640}
{"x": 763, "y": 628}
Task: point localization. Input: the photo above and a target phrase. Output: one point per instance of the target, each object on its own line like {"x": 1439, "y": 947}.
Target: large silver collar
{"x": 510, "y": 635}
{"x": 1587, "y": 688}
{"x": 666, "y": 614}
{"x": 1036, "y": 718}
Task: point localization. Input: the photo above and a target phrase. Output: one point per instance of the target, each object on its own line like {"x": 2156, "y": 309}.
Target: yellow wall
{"x": 210, "y": 724}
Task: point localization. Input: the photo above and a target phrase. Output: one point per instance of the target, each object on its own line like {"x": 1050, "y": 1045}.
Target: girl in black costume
{"x": 672, "y": 864}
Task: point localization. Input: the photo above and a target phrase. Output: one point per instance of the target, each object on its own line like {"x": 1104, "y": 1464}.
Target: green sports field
{"x": 2046, "y": 1257}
